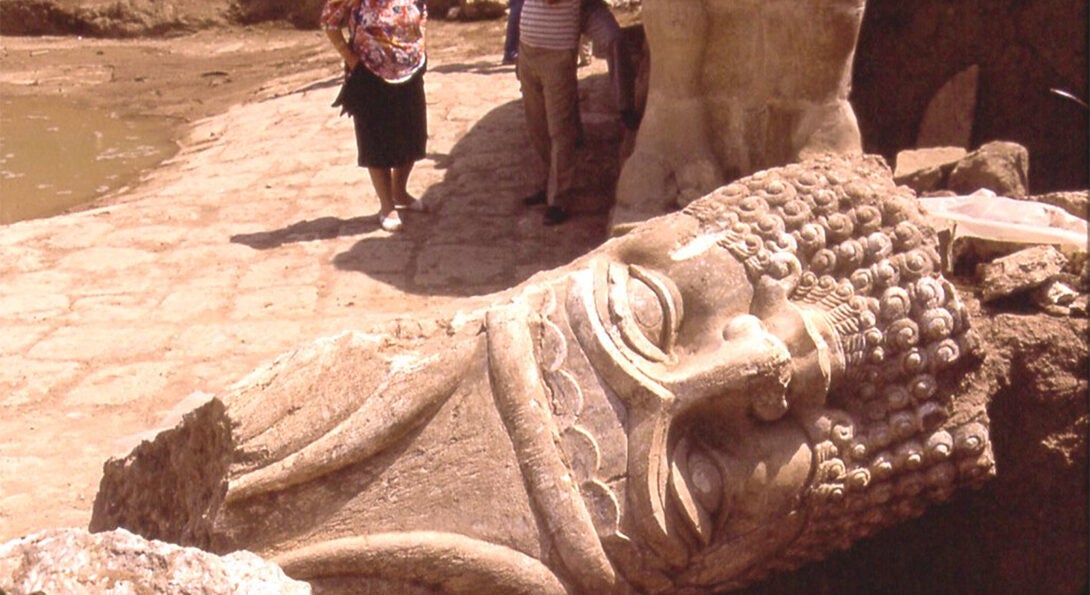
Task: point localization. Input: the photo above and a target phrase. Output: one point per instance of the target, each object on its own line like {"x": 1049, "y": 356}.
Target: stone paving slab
{"x": 256, "y": 238}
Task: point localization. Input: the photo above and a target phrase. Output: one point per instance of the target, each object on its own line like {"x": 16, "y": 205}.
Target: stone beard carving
{"x": 727, "y": 391}
{"x": 738, "y": 86}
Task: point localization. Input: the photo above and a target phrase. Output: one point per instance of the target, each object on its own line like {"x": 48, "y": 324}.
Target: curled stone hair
{"x": 846, "y": 242}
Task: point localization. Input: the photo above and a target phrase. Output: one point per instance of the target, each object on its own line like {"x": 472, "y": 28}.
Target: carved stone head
{"x": 785, "y": 350}
{"x": 727, "y": 391}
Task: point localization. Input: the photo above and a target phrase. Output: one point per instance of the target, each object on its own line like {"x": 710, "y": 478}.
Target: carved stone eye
{"x": 697, "y": 486}
{"x": 707, "y": 481}
{"x": 646, "y": 310}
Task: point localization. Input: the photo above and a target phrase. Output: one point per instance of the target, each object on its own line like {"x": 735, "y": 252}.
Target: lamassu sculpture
{"x": 737, "y": 86}
{"x": 727, "y": 391}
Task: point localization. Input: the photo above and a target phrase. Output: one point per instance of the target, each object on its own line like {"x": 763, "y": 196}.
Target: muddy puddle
{"x": 56, "y": 155}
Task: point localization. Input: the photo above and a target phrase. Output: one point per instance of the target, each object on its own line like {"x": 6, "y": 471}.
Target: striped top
{"x": 552, "y": 26}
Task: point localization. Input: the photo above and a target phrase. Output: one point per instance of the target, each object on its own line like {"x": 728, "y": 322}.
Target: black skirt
{"x": 391, "y": 118}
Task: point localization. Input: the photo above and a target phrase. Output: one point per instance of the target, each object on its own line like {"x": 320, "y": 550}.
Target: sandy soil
{"x": 184, "y": 78}
{"x": 192, "y": 77}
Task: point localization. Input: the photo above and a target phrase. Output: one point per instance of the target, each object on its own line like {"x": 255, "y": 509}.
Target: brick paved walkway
{"x": 259, "y": 236}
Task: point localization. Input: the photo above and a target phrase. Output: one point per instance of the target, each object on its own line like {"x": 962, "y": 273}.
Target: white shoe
{"x": 391, "y": 222}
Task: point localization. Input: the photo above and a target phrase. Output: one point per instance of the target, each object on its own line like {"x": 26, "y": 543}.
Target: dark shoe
{"x": 555, "y": 215}
{"x": 631, "y": 119}
{"x": 537, "y": 198}
{"x": 510, "y": 60}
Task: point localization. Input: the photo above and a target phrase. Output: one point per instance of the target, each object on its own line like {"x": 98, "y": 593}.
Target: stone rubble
{"x": 118, "y": 562}
{"x": 926, "y": 169}
{"x": 999, "y": 166}
{"x": 1024, "y": 270}
{"x": 1003, "y": 267}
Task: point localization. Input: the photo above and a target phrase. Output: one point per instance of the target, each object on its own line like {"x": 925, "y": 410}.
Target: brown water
{"x": 56, "y": 155}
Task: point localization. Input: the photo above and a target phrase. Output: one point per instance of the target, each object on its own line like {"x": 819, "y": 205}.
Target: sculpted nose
{"x": 749, "y": 372}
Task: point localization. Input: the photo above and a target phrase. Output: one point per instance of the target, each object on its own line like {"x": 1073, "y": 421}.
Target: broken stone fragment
{"x": 925, "y": 170}
{"x": 1075, "y": 202}
{"x": 1000, "y": 166}
{"x": 1079, "y": 306}
{"x": 1054, "y": 293}
{"x": 1022, "y": 271}
{"x": 75, "y": 561}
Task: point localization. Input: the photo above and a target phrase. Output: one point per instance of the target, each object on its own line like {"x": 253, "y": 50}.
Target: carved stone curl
{"x": 727, "y": 391}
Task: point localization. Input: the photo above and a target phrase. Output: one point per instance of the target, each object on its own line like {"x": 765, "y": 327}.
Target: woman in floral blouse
{"x": 384, "y": 91}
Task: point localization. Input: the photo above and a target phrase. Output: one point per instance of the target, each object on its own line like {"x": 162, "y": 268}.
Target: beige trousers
{"x": 550, "y": 97}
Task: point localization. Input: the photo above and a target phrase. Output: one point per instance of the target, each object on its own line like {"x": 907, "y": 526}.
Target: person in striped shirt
{"x": 548, "y": 46}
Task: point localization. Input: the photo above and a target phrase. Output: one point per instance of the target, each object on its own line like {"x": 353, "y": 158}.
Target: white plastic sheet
{"x": 982, "y": 214}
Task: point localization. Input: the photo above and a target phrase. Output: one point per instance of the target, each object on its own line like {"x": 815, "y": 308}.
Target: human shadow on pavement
{"x": 477, "y": 236}
{"x": 323, "y": 228}
{"x": 478, "y": 67}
